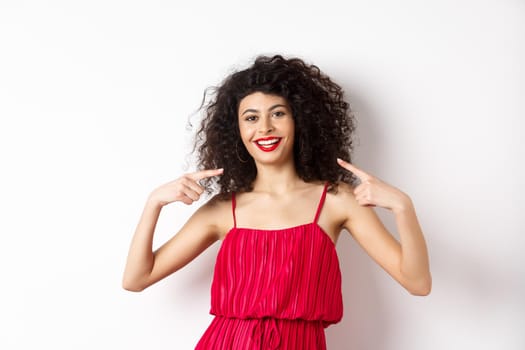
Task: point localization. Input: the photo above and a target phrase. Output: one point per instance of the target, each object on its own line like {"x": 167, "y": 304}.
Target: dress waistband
{"x": 266, "y": 332}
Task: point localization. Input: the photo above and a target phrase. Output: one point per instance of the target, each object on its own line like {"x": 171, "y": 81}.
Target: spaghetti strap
{"x": 233, "y": 210}
{"x": 321, "y": 202}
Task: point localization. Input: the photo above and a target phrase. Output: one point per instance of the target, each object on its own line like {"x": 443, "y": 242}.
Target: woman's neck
{"x": 276, "y": 179}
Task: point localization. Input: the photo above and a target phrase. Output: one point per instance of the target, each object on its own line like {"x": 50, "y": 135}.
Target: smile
{"x": 268, "y": 144}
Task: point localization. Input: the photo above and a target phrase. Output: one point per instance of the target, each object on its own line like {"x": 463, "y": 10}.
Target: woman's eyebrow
{"x": 276, "y": 106}
{"x": 256, "y": 110}
{"x": 250, "y": 110}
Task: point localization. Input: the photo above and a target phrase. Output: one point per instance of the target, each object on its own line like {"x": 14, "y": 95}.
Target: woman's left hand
{"x": 373, "y": 192}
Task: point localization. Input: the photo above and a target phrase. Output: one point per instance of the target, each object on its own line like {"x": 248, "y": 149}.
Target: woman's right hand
{"x": 185, "y": 189}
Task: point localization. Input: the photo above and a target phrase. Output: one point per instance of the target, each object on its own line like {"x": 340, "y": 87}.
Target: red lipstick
{"x": 268, "y": 144}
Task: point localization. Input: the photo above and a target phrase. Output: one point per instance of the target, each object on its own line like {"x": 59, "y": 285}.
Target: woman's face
{"x": 267, "y": 128}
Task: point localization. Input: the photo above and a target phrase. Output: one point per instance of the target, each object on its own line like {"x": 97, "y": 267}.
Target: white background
{"x": 94, "y": 103}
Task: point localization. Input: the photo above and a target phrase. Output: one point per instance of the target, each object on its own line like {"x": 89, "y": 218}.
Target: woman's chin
{"x": 271, "y": 159}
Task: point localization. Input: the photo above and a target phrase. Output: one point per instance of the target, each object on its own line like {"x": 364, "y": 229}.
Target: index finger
{"x": 198, "y": 175}
{"x": 361, "y": 174}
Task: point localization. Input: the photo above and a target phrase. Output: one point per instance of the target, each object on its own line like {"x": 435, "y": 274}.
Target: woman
{"x": 275, "y": 144}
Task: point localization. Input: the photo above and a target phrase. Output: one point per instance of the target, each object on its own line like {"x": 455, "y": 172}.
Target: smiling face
{"x": 267, "y": 128}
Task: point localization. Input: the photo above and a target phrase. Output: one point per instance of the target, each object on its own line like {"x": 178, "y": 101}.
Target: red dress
{"x": 274, "y": 289}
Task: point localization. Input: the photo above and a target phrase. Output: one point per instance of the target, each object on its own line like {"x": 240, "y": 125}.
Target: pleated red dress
{"x": 274, "y": 289}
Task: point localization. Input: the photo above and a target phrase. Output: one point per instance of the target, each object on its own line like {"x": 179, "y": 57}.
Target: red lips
{"x": 268, "y": 144}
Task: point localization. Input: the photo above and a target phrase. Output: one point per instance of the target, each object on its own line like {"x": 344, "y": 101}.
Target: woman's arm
{"x": 414, "y": 260}
{"x": 145, "y": 267}
{"x": 140, "y": 256}
{"x": 406, "y": 261}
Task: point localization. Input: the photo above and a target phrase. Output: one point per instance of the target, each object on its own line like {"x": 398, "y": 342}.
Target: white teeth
{"x": 267, "y": 142}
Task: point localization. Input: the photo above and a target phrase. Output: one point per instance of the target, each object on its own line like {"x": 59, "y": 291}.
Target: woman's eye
{"x": 278, "y": 114}
{"x": 251, "y": 118}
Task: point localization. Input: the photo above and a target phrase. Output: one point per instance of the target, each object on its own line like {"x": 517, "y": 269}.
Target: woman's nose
{"x": 265, "y": 125}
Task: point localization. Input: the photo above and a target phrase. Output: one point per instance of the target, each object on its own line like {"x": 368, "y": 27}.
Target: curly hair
{"x": 324, "y": 124}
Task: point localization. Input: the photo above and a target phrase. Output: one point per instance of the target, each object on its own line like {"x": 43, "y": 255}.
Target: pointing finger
{"x": 199, "y": 175}
{"x": 362, "y": 175}
{"x": 192, "y": 184}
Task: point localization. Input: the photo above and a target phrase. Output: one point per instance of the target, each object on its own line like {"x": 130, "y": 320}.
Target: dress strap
{"x": 321, "y": 202}
{"x": 233, "y": 209}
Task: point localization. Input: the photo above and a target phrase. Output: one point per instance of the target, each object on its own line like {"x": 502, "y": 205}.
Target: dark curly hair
{"x": 324, "y": 124}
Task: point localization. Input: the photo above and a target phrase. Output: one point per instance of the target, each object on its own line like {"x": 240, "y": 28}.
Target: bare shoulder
{"x": 342, "y": 204}
{"x": 344, "y": 196}
{"x": 357, "y": 219}
{"x": 337, "y": 205}
{"x": 217, "y": 212}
